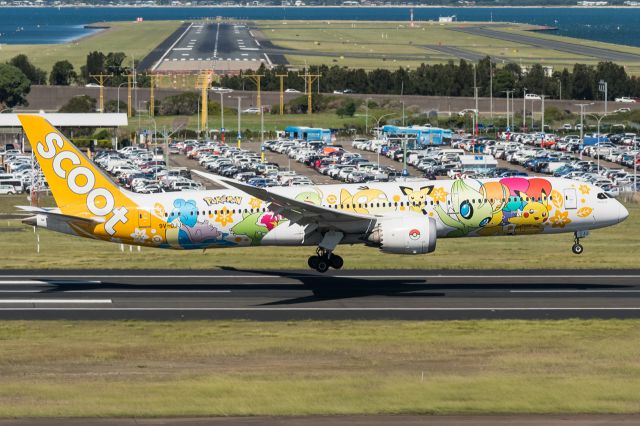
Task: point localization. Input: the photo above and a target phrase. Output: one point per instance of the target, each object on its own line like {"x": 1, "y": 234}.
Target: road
{"x": 562, "y": 46}
{"x": 270, "y": 296}
{"x": 221, "y": 46}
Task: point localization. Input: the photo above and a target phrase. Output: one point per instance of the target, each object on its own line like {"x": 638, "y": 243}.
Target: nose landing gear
{"x": 577, "y": 247}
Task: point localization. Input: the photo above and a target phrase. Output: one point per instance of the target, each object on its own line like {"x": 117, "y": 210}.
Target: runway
{"x": 273, "y": 296}
{"x": 222, "y": 46}
{"x": 562, "y": 46}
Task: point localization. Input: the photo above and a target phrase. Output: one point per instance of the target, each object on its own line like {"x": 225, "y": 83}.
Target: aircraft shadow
{"x": 325, "y": 287}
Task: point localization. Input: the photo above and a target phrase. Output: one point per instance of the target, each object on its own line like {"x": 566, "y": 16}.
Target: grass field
{"x": 136, "y": 39}
{"x": 346, "y": 42}
{"x": 614, "y": 247}
{"x": 226, "y": 368}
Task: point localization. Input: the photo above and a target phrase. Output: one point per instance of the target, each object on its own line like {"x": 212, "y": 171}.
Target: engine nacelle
{"x": 405, "y": 235}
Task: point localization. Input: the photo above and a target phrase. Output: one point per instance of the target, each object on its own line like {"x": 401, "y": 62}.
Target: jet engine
{"x": 405, "y": 235}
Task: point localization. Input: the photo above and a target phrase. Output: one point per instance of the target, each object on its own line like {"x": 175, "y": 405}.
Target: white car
{"x": 622, "y": 110}
{"x": 7, "y": 190}
{"x": 532, "y": 97}
{"x": 291, "y": 91}
{"x": 625, "y": 100}
{"x": 252, "y": 110}
{"x": 92, "y": 85}
{"x": 218, "y": 89}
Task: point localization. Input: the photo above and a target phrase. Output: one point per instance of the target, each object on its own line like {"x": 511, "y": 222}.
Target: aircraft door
{"x": 570, "y": 198}
{"x": 144, "y": 218}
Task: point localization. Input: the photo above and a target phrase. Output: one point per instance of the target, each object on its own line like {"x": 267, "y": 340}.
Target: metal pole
{"x": 524, "y": 110}
{"x": 239, "y": 132}
{"x": 491, "y": 89}
{"x": 402, "y": 113}
{"x": 542, "y": 118}
{"x": 222, "y": 116}
{"x": 606, "y": 98}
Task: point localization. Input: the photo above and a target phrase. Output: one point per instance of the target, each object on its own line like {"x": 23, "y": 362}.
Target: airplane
{"x": 405, "y": 217}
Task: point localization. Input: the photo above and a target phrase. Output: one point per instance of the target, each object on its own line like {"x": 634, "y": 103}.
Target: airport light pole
{"x": 366, "y": 116}
{"x": 222, "y": 116}
{"x": 524, "y": 109}
{"x": 508, "y": 92}
{"x": 377, "y": 127}
{"x": 118, "y": 92}
{"x": 542, "y": 112}
{"x": 582, "y": 106}
{"x": 598, "y": 120}
{"x": 239, "y": 98}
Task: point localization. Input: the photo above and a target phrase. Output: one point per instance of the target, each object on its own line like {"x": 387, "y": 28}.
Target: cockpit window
{"x": 602, "y": 196}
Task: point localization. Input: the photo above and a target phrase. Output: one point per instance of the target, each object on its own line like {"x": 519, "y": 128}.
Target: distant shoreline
{"x": 399, "y": 6}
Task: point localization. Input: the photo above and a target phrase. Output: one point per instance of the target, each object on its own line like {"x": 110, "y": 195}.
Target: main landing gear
{"x": 324, "y": 258}
{"x": 577, "y": 247}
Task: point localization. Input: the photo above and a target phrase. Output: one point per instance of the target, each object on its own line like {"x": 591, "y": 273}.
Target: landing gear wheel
{"x": 323, "y": 264}
{"x": 313, "y": 262}
{"x": 577, "y": 248}
{"x": 336, "y": 261}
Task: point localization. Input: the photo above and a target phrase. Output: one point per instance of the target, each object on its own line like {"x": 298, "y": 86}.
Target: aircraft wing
{"x": 297, "y": 211}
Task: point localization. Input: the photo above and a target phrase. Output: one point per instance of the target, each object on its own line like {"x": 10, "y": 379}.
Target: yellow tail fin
{"x": 78, "y": 186}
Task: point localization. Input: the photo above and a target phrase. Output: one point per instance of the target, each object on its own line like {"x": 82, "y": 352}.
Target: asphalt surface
{"x": 222, "y": 46}
{"x": 152, "y": 59}
{"x": 270, "y": 295}
{"x": 572, "y": 48}
{"x": 482, "y": 420}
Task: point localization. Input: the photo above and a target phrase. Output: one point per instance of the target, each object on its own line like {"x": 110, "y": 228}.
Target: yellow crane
{"x": 257, "y": 78}
{"x": 203, "y": 83}
{"x": 282, "y": 76}
{"x": 309, "y": 79}
{"x": 101, "y": 78}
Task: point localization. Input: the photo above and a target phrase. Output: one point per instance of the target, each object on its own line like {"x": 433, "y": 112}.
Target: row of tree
{"x": 457, "y": 79}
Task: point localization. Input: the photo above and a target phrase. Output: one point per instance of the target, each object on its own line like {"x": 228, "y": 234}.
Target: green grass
{"x": 252, "y": 121}
{"x": 613, "y": 247}
{"x": 226, "y": 368}
{"x": 136, "y": 39}
{"x": 342, "y": 40}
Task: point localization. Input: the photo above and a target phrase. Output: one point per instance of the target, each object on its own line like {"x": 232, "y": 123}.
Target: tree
{"x": 82, "y": 103}
{"x": 14, "y": 86}
{"x": 34, "y": 74}
{"x": 62, "y": 74}
{"x": 95, "y": 65}
{"x": 348, "y": 108}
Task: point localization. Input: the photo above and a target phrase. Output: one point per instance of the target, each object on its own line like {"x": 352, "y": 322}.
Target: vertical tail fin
{"x": 78, "y": 186}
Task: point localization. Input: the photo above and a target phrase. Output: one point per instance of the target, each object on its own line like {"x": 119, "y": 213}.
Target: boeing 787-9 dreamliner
{"x": 396, "y": 217}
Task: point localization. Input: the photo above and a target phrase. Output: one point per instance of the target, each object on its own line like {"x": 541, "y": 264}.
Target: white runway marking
{"x": 425, "y": 276}
{"x": 574, "y": 291}
{"x": 55, "y": 301}
{"x": 14, "y": 282}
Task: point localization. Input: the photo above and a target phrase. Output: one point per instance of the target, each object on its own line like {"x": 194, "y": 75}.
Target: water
{"x": 52, "y": 25}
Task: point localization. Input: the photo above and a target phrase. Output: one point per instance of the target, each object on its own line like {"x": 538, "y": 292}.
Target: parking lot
{"x": 607, "y": 163}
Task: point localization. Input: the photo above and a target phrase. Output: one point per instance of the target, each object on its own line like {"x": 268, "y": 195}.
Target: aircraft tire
{"x": 323, "y": 265}
{"x": 577, "y": 249}
{"x": 313, "y": 262}
{"x": 336, "y": 261}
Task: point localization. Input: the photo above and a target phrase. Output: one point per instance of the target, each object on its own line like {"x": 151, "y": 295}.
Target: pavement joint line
{"x": 574, "y": 291}
{"x": 55, "y": 301}
{"x": 314, "y": 309}
{"x": 103, "y": 276}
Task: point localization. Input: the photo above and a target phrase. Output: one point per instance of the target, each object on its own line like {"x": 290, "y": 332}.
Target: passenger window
{"x": 602, "y": 196}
